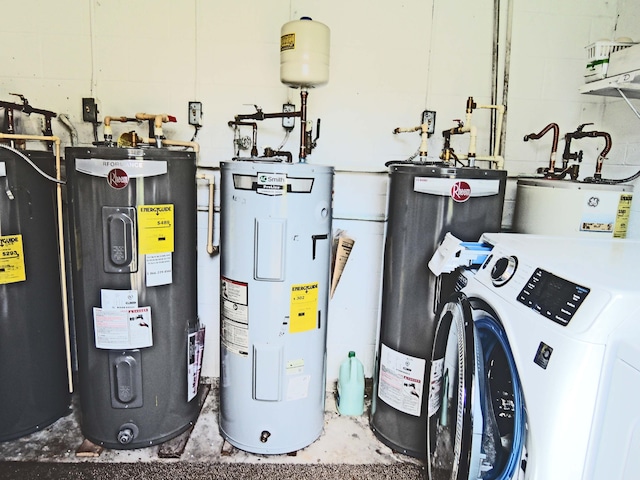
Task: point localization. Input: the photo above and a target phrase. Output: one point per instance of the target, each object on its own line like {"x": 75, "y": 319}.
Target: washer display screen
{"x": 553, "y": 297}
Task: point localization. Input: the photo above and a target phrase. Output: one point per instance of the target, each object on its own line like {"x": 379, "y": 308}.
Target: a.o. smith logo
{"x": 117, "y": 178}
{"x": 272, "y": 179}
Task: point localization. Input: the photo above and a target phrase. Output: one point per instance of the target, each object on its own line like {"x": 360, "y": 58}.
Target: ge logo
{"x": 593, "y": 202}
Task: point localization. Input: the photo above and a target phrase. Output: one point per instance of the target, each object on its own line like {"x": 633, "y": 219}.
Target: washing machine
{"x": 535, "y": 369}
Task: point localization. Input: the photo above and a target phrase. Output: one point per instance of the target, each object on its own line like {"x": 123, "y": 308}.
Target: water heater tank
{"x": 275, "y": 235}
{"x": 568, "y": 208}
{"x": 304, "y": 53}
{"x": 133, "y": 221}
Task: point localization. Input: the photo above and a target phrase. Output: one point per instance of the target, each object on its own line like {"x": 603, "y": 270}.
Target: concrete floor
{"x": 347, "y": 449}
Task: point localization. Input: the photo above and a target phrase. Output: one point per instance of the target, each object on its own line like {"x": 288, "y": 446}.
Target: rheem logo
{"x": 117, "y": 178}
{"x": 461, "y": 191}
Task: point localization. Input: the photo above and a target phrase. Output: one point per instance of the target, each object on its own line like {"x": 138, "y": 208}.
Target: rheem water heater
{"x": 133, "y": 218}
{"x": 275, "y": 235}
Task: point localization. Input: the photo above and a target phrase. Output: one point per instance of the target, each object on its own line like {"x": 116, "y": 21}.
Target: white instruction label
{"x": 401, "y": 381}
{"x": 121, "y": 328}
{"x": 195, "y": 349}
{"x": 235, "y": 316}
{"x": 298, "y": 387}
{"x": 158, "y": 269}
{"x": 116, "y": 299}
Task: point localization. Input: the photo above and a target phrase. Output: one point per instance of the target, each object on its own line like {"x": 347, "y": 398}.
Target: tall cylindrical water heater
{"x": 275, "y": 236}
{"x": 425, "y": 202}
{"x": 571, "y": 208}
{"x": 33, "y": 368}
{"x": 134, "y": 268}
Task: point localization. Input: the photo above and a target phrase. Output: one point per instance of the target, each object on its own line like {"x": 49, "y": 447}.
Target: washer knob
{"x": 503, "y": 270}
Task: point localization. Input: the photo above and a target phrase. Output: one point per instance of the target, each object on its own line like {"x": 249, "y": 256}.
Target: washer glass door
{"x": 476, "y": 423}
{"x": 451, "y": 390}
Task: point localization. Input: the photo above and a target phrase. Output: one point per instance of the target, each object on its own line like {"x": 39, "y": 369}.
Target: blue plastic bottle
{"x": 351, "y": 386}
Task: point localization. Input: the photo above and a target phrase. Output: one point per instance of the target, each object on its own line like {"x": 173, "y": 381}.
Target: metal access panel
{"x": 33, "y": 366}
{"x": 275, "y": 263}
{"x": 133, "y": 218}
{"x": 424, "y": 203}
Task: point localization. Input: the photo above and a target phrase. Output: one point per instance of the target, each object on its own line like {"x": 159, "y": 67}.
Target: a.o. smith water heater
{"x": 275, "y": 259}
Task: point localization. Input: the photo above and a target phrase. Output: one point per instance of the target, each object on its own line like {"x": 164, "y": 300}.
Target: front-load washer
{"x": 535, "y": 370}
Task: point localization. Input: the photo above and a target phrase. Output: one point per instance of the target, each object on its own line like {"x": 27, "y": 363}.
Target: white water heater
{"x": 275, "y": 236}
{"x": 572, "y": 208}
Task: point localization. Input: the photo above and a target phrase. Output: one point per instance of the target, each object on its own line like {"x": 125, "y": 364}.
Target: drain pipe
{"x": 61, "y": 258}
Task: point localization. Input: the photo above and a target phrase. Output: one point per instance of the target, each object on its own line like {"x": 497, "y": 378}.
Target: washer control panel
{"x": 551, "y": 296}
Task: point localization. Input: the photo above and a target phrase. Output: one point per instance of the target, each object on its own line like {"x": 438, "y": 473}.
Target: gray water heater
{"x": 425, "y": 202}
{"x": 135, "y": 282}
{"x": 275, "y": 236}
{"x": 33, "y": 368}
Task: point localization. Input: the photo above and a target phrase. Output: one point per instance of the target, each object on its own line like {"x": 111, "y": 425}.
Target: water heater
{"x": 32, "y": 345}
{"x": 133, "y": 220}
{"x": 275, "y": 236}
{"x": 425, "y": 202}
{"x": 572, "y": 208}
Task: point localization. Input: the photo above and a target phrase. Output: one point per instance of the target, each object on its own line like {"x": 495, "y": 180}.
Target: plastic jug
{"x": 350, "y": 399}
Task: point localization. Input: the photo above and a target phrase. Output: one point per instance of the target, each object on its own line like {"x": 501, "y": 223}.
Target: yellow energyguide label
{"x": 622, "y": 216}
{"x": 303, "y": 311}
{"x": 287, "y": 42}
{"x": 11, "y": 259}
{"x": 155, "y": 229}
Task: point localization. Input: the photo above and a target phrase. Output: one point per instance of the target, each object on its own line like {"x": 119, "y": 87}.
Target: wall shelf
{"x": 628, "y": 83}
{"x": 625, "y": 85}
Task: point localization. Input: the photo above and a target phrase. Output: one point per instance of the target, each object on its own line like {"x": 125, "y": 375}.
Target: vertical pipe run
{"x": 507, "y": 67}
{"x": 494, "y": 73}
{"x": 303, "y": 124}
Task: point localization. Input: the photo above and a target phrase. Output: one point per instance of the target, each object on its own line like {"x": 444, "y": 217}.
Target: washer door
{"x": 476, "y": 423}
{"x": 451, "y": 391}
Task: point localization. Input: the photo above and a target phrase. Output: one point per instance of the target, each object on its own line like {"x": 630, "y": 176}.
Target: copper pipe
{"x": 598, "y": 174}
{"x": 303, "y": 124}
{"x": 554, "y": 146}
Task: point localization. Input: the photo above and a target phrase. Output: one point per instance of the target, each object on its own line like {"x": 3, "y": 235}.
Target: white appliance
{"x": 535, "y": 369}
